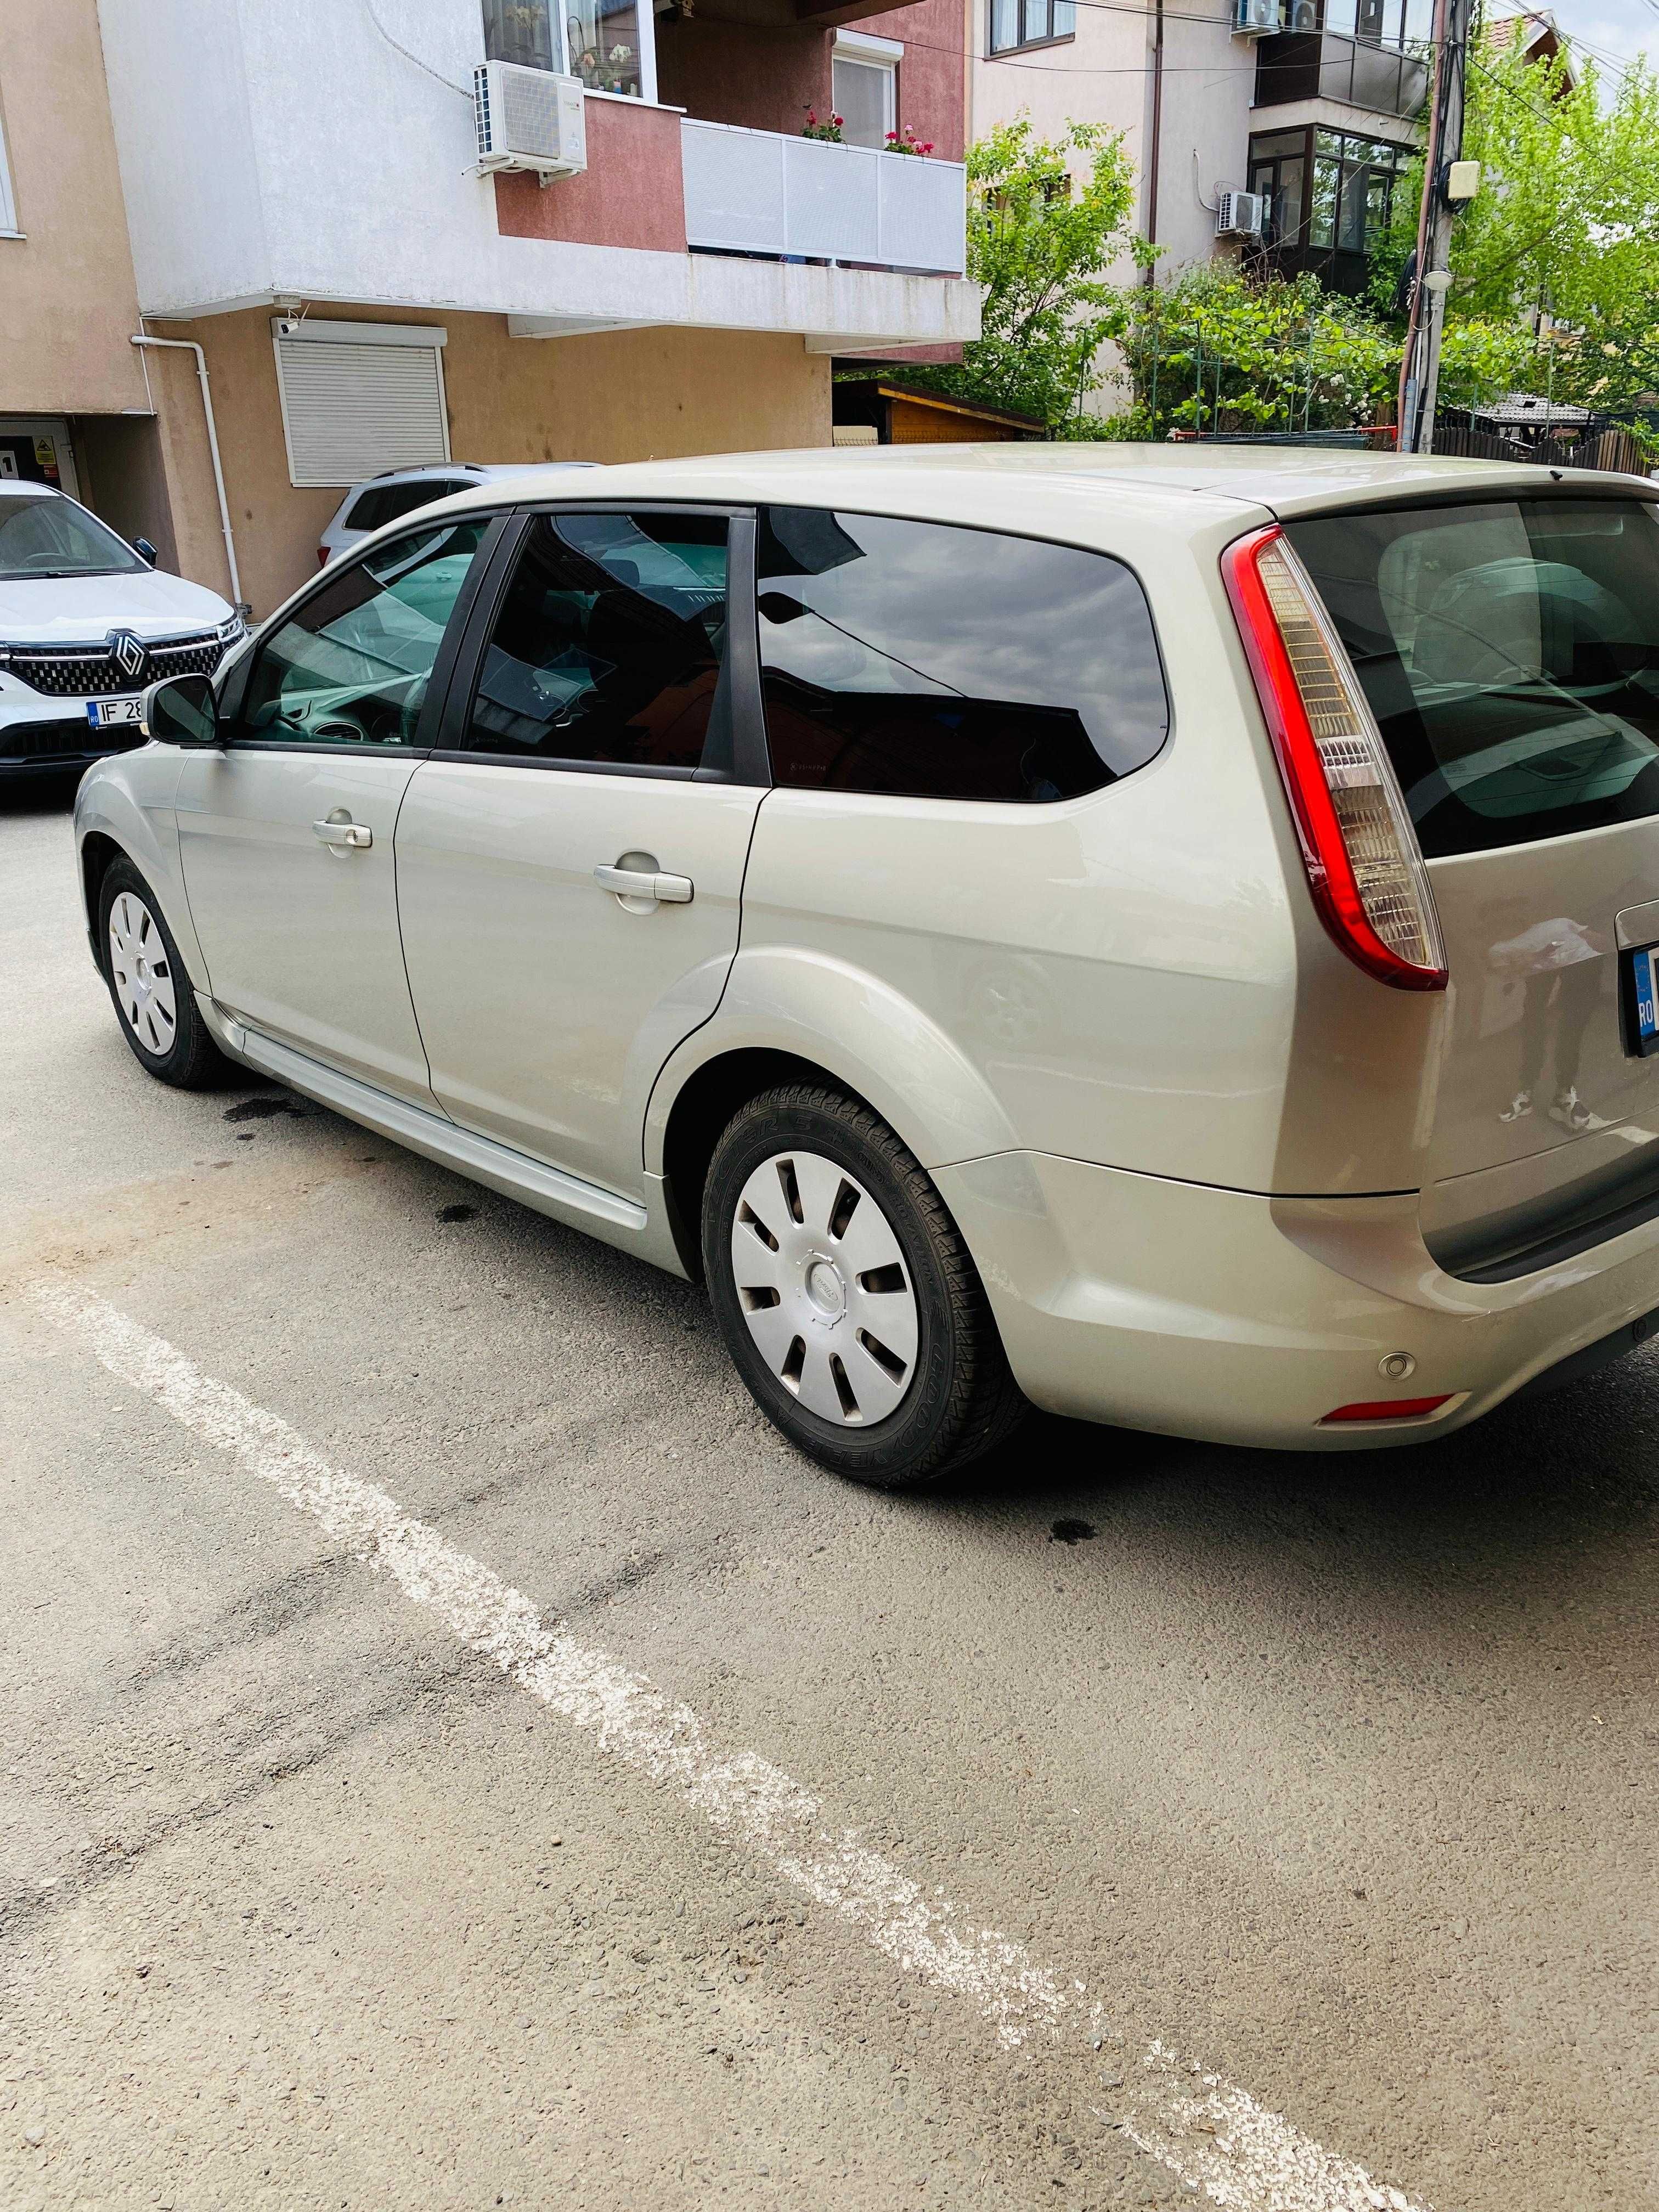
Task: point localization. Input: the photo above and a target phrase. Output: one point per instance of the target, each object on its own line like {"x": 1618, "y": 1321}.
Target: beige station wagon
{"x": 1163, "y": 935}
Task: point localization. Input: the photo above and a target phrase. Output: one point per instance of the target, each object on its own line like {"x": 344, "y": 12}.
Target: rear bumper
{"x": 1245, "y": 1320}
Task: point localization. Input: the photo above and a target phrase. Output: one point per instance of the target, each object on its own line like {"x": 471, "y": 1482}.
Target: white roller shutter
{"x": 360, "y": 397}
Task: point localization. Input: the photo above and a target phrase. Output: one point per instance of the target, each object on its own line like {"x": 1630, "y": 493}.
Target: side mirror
{"x": 182, "y": 712}
{"x": 145, "y": 552}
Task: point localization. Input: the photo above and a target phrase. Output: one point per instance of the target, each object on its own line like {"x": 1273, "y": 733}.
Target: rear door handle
{"x": 640, "y": 884}
{"x": 352, "y": 836}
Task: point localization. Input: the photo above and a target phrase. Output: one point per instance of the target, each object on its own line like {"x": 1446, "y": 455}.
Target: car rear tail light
{"x": 1386, "y": 1409}
{"x": 1364, "y": 867}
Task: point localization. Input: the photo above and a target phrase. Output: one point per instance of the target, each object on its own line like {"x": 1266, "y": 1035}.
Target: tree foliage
{"x": 1041, "y": 241}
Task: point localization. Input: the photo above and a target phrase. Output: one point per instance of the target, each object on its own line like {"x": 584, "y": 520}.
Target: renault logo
{"x": 127, "y": 654}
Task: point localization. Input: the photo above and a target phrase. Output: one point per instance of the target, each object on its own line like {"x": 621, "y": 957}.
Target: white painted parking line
{"x": 1213, "y": 2136}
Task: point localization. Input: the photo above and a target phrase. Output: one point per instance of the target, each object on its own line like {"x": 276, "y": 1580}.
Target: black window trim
{"x": 996, "y": 53}
{"x": 751, "y": 764}
{"x": 1034, "y": 537}
{"x": 234, "y": 697}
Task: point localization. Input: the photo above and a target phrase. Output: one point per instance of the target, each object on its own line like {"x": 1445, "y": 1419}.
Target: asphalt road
{"x": 1333, "y": 1779}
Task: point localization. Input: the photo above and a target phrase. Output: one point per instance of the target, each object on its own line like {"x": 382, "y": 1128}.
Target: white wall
{"x": 272, "y": 148}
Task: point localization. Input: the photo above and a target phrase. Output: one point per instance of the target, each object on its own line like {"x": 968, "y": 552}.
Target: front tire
{"x": 847, "y": 1300}
{"x": 155, "y": 1002}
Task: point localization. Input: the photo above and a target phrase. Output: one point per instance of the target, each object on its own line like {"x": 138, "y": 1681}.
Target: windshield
{"x": 1511, "y": 653}
{"x": 53, "y": 536}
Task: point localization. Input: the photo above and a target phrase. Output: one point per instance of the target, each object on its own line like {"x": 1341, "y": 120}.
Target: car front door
{"x": 286, "y": 836}
{"x": 570, "y": 872}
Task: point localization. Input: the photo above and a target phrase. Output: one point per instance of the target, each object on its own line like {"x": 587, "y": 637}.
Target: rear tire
{"x": 847, "y": 1300}
{"x": 154, "y": 1000}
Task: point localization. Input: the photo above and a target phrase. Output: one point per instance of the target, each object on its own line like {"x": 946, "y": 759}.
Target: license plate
{"x": 113, "y": 714}
{"x": 1641, "y": 997}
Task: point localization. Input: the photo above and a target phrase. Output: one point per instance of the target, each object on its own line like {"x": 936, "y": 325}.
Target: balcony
{"x": 792, "y": 198}
{"x": 1326, "y": 65}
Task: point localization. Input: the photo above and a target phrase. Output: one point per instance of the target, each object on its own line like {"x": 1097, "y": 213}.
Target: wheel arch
{"x": 789, "y": 1016}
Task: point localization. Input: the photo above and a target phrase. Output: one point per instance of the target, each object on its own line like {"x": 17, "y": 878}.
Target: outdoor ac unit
{"x": 529, "y": 119}
{"x": 1256, "y": 18}
{"x": 1238, "y": 215}
{"x": 1302, "y": 16}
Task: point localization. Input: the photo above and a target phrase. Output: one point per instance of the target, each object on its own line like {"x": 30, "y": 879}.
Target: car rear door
{"x": 570, "y": 863}
{"x": 286, "y": 835}
{"x": 1509, "y": 648}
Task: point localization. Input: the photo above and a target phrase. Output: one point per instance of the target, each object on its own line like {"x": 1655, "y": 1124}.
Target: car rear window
{"x": 391, "y": 503}
{"x": 1509, "y": 650}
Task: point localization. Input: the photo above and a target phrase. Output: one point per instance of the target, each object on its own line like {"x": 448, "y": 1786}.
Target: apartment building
{"x": 289, "y": 193}
{"x": 80, "y": 405}
{"x": 1311, "y": 104}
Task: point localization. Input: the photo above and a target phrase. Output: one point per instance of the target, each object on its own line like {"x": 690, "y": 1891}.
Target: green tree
{"x": 1041, "y": 241}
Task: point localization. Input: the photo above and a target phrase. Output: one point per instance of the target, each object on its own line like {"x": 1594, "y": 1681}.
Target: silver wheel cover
{"x": 825, "y": 1289}
{"x": 144, "y": 975}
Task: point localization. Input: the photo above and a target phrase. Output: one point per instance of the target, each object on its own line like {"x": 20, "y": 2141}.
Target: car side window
{"x": 609, "y": 646}
{"x": 385, "y": 503}
{"x": 350, "y": 665}
{"x": 937, "y": 661}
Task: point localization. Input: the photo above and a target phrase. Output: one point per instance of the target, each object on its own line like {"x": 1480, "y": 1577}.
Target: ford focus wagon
{"x": 1164, "y": 936}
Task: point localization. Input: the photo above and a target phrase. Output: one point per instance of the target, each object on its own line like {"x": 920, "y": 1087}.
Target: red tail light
{"x": 1364, "y": 867}
{"x": 1386, "y": 1409}
{"x": 322, "y": 557}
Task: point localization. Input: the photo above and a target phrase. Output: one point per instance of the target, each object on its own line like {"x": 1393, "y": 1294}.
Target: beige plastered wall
{"x": 618, "y": 396}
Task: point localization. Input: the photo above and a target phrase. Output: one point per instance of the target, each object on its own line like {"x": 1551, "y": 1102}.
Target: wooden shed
{"x": 901, "y": 418}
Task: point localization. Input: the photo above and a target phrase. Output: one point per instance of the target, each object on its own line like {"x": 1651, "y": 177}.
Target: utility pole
{"x": 1448, "y": 182}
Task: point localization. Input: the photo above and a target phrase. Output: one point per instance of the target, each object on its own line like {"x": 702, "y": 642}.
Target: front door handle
{"x": 347, "y": 836}
{"x": 642, "y": 884}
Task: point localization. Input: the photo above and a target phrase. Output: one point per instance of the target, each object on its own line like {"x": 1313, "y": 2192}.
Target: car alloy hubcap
{"x": 143, "y": 977}
{"x": 824, "y": 1288}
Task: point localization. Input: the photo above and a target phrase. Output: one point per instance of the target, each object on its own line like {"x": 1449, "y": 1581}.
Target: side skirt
{"x": 642, "y": 1230}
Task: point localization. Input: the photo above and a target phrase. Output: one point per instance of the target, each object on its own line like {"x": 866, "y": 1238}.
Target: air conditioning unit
{"x": 1301, "y": 15}
{"x": 1238, "y": 215}
{"x": 529, "y": 119}
{"x": 1256, "y": 18}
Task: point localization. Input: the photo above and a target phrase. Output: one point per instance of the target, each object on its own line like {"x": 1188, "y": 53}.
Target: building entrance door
{"x": 37, "y": 449}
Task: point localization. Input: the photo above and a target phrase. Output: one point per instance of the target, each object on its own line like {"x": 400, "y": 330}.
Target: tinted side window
{"x": 350, "y": 665}
{"x": 391, "y": 503}
{"x": 946, "y": 663}
{"x": 609, "y": 645}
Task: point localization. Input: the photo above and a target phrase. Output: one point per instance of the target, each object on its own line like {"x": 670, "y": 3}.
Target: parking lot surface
{"x": 456, "y": 1754}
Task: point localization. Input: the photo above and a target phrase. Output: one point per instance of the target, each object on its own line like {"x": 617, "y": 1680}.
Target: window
{"x": 603, "y": 41}
{"x": 7, "y": 202}
{"x": 391, "y": 503}
{"x": 1015, "y": 23}
{"x": 609, "y": 646}
{"x": 351, "y": 666}
{"x": 359, "y": 399}
{"x": 946, "y": 663}
{"x": 1278, "y": 171}
{"x": 866, "y": 94}
{"x": 1510, "y": 651}
{"x": 524, "y": 32}
{"x": 1352, "y": 189}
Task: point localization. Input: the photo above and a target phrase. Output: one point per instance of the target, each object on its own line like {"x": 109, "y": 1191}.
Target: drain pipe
{"x": 189, "y": 345}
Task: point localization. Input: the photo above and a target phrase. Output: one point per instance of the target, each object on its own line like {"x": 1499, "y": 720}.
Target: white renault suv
{"x": 86, "y": 623}
{"x": 1165, "y": 935}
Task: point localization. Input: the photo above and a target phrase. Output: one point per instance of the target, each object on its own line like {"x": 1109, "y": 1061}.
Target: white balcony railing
{"x": 758, "y": 191}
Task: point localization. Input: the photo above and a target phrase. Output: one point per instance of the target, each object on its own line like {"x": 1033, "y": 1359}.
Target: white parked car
{"x": 86, "y": 622}
{"x": 396, "y": 493}
{"x": 1165, "y": 935}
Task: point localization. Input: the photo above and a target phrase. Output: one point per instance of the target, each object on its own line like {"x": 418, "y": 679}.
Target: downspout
{"x": 189, "y": 345}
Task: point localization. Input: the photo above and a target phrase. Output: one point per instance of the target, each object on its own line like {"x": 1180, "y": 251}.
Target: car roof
{"x": 1172, "y": 484}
